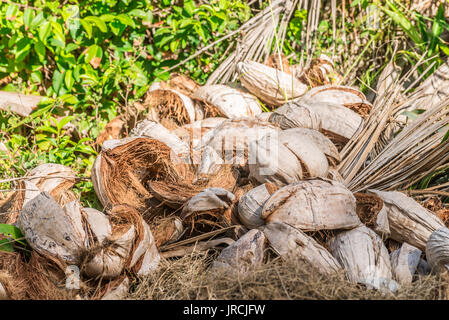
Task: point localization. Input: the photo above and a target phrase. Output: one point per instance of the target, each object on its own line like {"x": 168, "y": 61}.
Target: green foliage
{"x": 11, "y": 238}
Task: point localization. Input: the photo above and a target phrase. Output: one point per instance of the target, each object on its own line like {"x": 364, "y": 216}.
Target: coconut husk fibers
{"x": 168, "y": 105}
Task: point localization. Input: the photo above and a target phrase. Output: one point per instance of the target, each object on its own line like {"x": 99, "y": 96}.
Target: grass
{"x": 188, "y": 278}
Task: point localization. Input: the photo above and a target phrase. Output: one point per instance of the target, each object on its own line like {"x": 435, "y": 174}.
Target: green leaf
{"x": 44, "y": 31}
{"x": 68, "y": 80}
{"x": 126, "y": 20}
{"x": 23, "y": 48}
{"x": 93, "y": 52}
{"x": 28, "y": 16}
{"x": 37, "y": 20}
{"x": 69, "y": 98}
{"x": 58, "y": 78}
{"x": 11, "y": 12}
{"x": 400, "y": 19}
{"x": 6, "y": 245}
{"x": 97, "y": 22}
{"x": 190, "y": 7}
{"x": 39, "y": 47}
{"x": 10, "y": 231}
{"x": 87, "y": 27}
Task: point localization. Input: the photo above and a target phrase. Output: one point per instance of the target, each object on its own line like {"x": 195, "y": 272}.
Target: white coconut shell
{"x": 3, "y": 293}
{"x": 313, "y": 205}
{"x": 289, "y": 241}
{"x": 264, "y": 116}
{"x": 363, "y": 256}
{"x": 232, "y": 103}
{"x": 437, "y": 250}
{"x": 404, "y": 262}
{"x": 251, "y": 204}
{"x": 118, "y": 293}
{"x": 270, "y": 85}
{"x": 207, "y": 200}
{"x": 321, "y": 116}
{"x": 244, "y": 254}
{"x": 98, "y": 224}
{"x": 147, "y": 251}
{"x": 111, "y": 262}
{"x": 50, "y": 230}
{"x": 408, "y": 220}
{"x": 154, "y": 130}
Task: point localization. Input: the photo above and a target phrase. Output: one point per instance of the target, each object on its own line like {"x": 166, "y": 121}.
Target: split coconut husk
{"x": 243, "y": 255}
{"x": 53, "y": 178}
{"x": 180, "y": 83}
{"x": 335, "y": 121}
{"x": 169, "y": 105}
{"x": 437, "y": 250}
{"x": 313, "y": 205}
{"x": 117, "y": 292}
{"x": 320, "y": 72}
{"x": 270, "y": 85}
{"x": 251, "y": 204}
{"x": 209, "y": 209}
{"x": 404, "y": 262}
{"x": 287, "y": 240}
{"x": 291, "y": 155}
{"x": 192, "y": 133}
{"x": 230, "y": 141}
{"x": 363, "y": 256}
{"x": 348, "y": 97}
{"x": 279, "y": 62}
{"x": 409, "y": 221}
{"x": 166, "y": 230}
{"x": 372, "y": 212}
{"x": 229, "y": 102}
{"x": 124, "y": 167}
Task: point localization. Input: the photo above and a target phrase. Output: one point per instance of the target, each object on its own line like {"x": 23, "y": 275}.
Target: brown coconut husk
{"x": 125, "y": 169}
{"x": 168, "y": 105}
{"x": 368, "y": 207}
{"x": 314, "y": 76}
{"x": 180, "y": 83}
{"x": 435, "y": 205}
{"x": 165, "y": 230}
{"x": 279, "y": 63}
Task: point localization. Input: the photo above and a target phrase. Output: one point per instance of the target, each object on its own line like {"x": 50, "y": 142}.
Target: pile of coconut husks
{"x": 210, "y": 167}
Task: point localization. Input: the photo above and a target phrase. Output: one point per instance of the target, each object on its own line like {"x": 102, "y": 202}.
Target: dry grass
{"x": 188, "y": 278}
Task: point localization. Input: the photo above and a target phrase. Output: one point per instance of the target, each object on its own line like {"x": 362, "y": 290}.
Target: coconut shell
{"x": 331, "y": 119}
{"x": 409, "y": 221}
{"x": 119, "y": 292}
{"x": 313, "y": 205}
{"x": 53, "y": 178}
{"x": 52, "y": 231}
{"x": 244, "y": 254}
{"x": 289, "y": 241}
{"x": 167, "y": 230}
{"x": 270, "y": 85}
{"x": 342, "y": 95}
{"x": 98, "y": 223}
{"x": 230, "y": 102}
{"x": 3, "y": 294}
{"x": 251, "y": 204}
{"x": 363, "y": 256}
{"x": 404, "y": 262}
{"x": 437, "y": 250}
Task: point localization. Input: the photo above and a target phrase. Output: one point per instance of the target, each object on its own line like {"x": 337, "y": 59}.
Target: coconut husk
{"x": 122, "y": 169}
{"x": 170, "y": 104}
{"x": 279, "y": 62}
{"x": 348, "y": 97}
{"x": 409, "y": 221}
{"x": 53, "y": 178}
{"x": 435, "y": 205}
{"x": 264, "y": 116}
{"x": 231, "y": 103}
{"x": 251, "y": 204}
{"x": 111, "y": 131}
{"x": 437, "y": 250}
{"x": 320, "y": 72}
{"x": 404, "y": 262}
{"x": 335, "y": 121}
{"x": 288, "y": 241}
{"x": 18, "y": 103}
{"x": 291, "y": 155}
{"x": 181, "y": 83}
{"x": 51, "y": 230}
{"x": 180, "y": 251}
{"x": 192, "y": 133}
{"x": 313, "y": 205}
{"x": 166, "y": 230}
{"x": 371, "y": 211}
{"x": 244, "y": 254}
{"x": 363, "y": 256}
{"x": 270, "y": 85}
{"x": 208, "y": 210}
{"x": 231, "y": 139}
{"x": 117, "y": 290}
